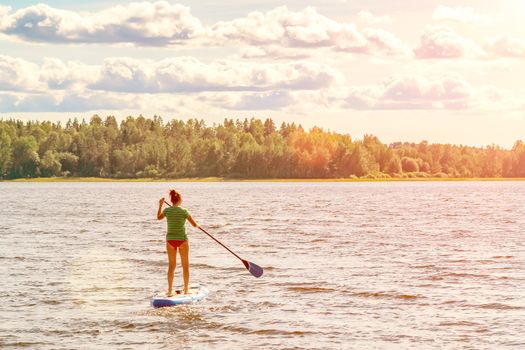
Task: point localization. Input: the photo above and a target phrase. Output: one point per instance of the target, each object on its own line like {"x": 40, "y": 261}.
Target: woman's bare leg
{"x": 172, "y": 263}
{"x": 184, "y": 251}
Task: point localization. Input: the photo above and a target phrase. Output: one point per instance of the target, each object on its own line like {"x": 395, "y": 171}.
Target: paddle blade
{"x": 254, "y": 269}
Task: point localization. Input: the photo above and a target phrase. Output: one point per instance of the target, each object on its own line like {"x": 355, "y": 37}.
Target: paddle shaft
{"x": 215, "y": 239}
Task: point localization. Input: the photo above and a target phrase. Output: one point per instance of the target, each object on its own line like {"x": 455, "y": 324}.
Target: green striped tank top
{"x": 176, "y": 218}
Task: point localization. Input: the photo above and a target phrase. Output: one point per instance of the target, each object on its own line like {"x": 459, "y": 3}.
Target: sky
{"x": 412, "y": 70}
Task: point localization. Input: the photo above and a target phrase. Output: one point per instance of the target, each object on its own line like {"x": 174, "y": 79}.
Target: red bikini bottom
{"x": 175, "y": 243}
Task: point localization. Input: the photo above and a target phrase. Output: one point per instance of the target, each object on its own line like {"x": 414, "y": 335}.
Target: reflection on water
{"x": 347, "y": 265}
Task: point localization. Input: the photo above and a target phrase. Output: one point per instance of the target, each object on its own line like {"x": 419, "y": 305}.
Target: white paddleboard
{"x": 196, "y": 294}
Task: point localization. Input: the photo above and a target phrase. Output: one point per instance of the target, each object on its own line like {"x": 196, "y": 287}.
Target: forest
{"x": 142, "y": 147}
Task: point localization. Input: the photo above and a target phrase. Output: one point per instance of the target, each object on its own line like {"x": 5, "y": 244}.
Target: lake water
{"x": 347, "y": 266}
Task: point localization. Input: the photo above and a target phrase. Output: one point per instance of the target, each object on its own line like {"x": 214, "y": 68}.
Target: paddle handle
{"x": 216, "y": 240}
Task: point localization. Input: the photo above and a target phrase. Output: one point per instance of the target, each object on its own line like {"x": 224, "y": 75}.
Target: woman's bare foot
{"x": 169, "y": 293}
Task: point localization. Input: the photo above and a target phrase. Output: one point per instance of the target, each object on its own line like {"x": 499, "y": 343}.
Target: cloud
{"x": 190, "y": 104}
{"x": 270, "y": 100}
{"x": 304, "y": 29}
{"x": 10, "y": 102}
{"x": 385, "y": 41}
{"x": 20, "y": 75}
{"x": 412, "y": 92}
{"x": 439, "y": 42}
{"x": 273, "y": 100}
{"x": 272, "y": 52}
{"x": 370, "y": 18}
{"x": 143, "y": 23}
{"x": 396, "y": 92}
{"x": 125, "y": 83}
{"x": 506, "y": 46}
{"x": 442, "y": 42}
{"x": 17, "y": 74}
{"x": 4, "y": 11}
{"x": 187, "y": 74}
{"x": 170, "y": 75}
{"x": 58, "y": 75}
{"x": 458, "y": 14}
{"x": 434, "y": 92}
{"x": 163, "y": 24}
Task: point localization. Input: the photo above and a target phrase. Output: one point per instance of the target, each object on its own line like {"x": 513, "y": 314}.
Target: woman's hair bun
{"x": 175, "y": 196}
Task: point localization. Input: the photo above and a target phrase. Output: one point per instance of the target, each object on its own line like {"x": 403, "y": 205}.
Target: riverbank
{"x": 221, "y": 179}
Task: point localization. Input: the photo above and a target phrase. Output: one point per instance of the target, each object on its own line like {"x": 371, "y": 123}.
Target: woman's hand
{"x": 160, "y": 214}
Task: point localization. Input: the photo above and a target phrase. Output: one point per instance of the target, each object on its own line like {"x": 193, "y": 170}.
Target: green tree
{"x": 518, "y": 167}
{"x": 50, "y": 164}
{"x": 25, "y": 157}
{"x": 5, "y": 150}
{"x": 409, "y": 165}
{"x": 394, "y": 166}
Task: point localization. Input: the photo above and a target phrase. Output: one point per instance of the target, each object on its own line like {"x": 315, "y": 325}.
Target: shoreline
{"x": 221, "y": 179}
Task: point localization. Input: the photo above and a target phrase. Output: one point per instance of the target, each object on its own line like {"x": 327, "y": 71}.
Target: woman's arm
{"x": 192, "y": 222}
{"x": 160, "y": 214}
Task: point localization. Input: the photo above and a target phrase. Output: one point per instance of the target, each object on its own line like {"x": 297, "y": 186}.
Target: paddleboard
{"x": 196, "y": 294}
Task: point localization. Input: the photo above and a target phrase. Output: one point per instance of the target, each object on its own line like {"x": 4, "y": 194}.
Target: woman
{"x": 176, "y": 238}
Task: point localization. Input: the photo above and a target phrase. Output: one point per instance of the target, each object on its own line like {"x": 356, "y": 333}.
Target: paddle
{"x": 254, "y": 269}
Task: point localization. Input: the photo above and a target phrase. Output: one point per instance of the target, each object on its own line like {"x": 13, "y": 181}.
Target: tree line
{"x": 142, "y": 147}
